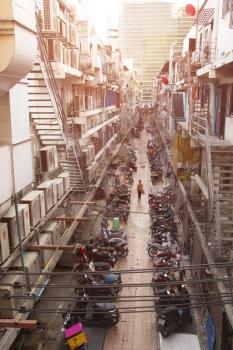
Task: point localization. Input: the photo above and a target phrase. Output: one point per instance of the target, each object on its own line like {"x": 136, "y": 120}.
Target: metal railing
{"x": 70, "y": 136}
{"x": 209, "y": 170}
{"x": 204, "y": 54}
{"x": 199, "y": 117}
{"x": 217, "y": 223}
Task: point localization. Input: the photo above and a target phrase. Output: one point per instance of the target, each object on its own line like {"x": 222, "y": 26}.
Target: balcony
{"x": 204, "y": 55}
{"x": 85, "y": 62}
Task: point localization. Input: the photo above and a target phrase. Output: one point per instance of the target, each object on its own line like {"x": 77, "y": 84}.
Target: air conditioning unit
{"x": 48, "y": 158}
{"x": 26, "y": 218}
{"x": 10, "y": 219}
{"x": 36, "y": 202}
{"x": 45, "y": 239}
{"x": 11, "y": 303}
{"x": 73, "y": 33}
{"x": 4, "y": 242}
{"x": 50, "y": 13}
{"x": 196, "y": 57}
{"x": 54, "y": 50}
{"x": 50, "y": 193}
{"x": 91, "y": 150}
{"x": 31, "y": 264}
{"x": 60, "y": 187}
{"x": 54, "y": 229}
{"x": 66, "y": 180}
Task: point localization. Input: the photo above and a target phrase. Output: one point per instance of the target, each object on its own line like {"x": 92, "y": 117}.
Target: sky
{"x": 105, "y": 13}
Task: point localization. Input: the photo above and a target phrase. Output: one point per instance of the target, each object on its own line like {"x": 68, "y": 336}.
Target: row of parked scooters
{"x": 172, "y": 301}
{"x": 153, "y": 152}
{"x": 98, "y": 287}
{"x": 137, "y": 129}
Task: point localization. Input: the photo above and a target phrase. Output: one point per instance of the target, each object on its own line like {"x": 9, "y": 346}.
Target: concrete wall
{"x": 18, "y": 47}
{"x": 19, "y": 113}
{"x": 225, "y": 34}
{"x": 23, "y": 165}
{"x": 229, "y": 129}
{"x": 5, "y": 174}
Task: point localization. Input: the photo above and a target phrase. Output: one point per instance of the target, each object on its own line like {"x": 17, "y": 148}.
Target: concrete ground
{"x": 136, "y": 331}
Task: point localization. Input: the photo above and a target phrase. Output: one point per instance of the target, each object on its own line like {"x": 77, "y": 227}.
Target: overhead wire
{"x": 128, "y": 285}
{"x": 104, "y": 272}
{"x": 96, "y": 310}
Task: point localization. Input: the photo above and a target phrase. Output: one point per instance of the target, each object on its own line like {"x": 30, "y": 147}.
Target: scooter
{"x": 95, "y": 256}
{"x": 93, "y": 314}
{"x": 120, "y": 246}
{"x": 106, "y": 293}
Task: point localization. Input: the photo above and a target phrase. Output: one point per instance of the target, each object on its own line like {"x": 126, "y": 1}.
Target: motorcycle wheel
{"x": 124, "y": 252}
{"x": 116, "y": 319}
{"x": 164, "y": 333}
{"x": 114, "y": 259}
{"x": 151, "y": 251}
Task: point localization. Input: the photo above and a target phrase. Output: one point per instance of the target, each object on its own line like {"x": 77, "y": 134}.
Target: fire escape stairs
{"x": 48, "y": 116}
{"x": 220, "y": 178}
{"x": 222, "y": 163}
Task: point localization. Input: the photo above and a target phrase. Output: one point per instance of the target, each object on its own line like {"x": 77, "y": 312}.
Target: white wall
{"x": 5, "y": 124}
{"x": 23, "y": 165}
{"x": 225, "y": 34}
{"x": 20, "y": 127}
{"x": 229, "y": 129}
{"x": 5, "y": 174}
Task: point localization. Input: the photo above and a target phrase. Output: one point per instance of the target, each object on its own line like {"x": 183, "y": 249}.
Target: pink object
{"x": 70, "y": 332}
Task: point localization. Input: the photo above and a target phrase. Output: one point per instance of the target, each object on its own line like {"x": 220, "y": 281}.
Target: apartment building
{"x": 147, "y": 29}
{"x": 59, "y": 130}
{"x": 193, "y": 99}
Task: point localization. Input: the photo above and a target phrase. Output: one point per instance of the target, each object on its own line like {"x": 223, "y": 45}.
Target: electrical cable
{"x": 128, "y": 285}
{"x": 5, "y": 271}
{"x": 154, "y": 308}
{"x": 124, "y": 299}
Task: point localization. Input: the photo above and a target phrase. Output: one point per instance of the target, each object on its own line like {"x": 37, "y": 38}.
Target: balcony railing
{"x": 205, "y": 54}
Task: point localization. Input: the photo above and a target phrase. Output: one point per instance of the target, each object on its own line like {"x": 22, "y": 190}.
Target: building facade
{"x": 193, "y": 99}
{"x": 147, "y": 29}
{"x": 59, "y": 129}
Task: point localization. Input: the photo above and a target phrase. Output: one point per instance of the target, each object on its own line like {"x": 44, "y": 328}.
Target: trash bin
{"x": 116, "y": 224}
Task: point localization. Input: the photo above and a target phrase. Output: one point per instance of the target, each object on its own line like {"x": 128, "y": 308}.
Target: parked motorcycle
{"x": 92, "y": 314}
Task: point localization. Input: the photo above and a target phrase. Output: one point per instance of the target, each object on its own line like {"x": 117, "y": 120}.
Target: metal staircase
{"x": 48, "y": 115}
{"x": 222, "y": 163}
{"x": 219, "y": 163}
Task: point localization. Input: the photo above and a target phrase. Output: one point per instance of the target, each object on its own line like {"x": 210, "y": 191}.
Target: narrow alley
{"x": 134, "y": 328}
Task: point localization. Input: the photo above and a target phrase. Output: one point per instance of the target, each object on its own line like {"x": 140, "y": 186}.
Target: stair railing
{"x": 50, "y": 80}
{"x": 77, "y": 150}
{"x": 218, "y": 223}
{"x": 51, "y": 84}
{"x": 209, "y": 171}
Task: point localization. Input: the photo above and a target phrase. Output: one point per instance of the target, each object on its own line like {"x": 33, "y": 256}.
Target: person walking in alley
{"x": 140, "y": 189}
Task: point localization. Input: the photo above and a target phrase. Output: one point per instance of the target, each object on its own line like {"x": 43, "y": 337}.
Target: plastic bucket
{"x": 116, "y": 224}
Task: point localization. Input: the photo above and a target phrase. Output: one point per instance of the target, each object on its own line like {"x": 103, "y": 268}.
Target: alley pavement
{"x": 136, "y": 331}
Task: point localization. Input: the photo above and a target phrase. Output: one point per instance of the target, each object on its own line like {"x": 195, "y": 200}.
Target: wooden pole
{"x": 69, "y": 218}
{"x": 27, "y": 324}
{"x": 80, "y": 202}
{"x": 37, "y": 248}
